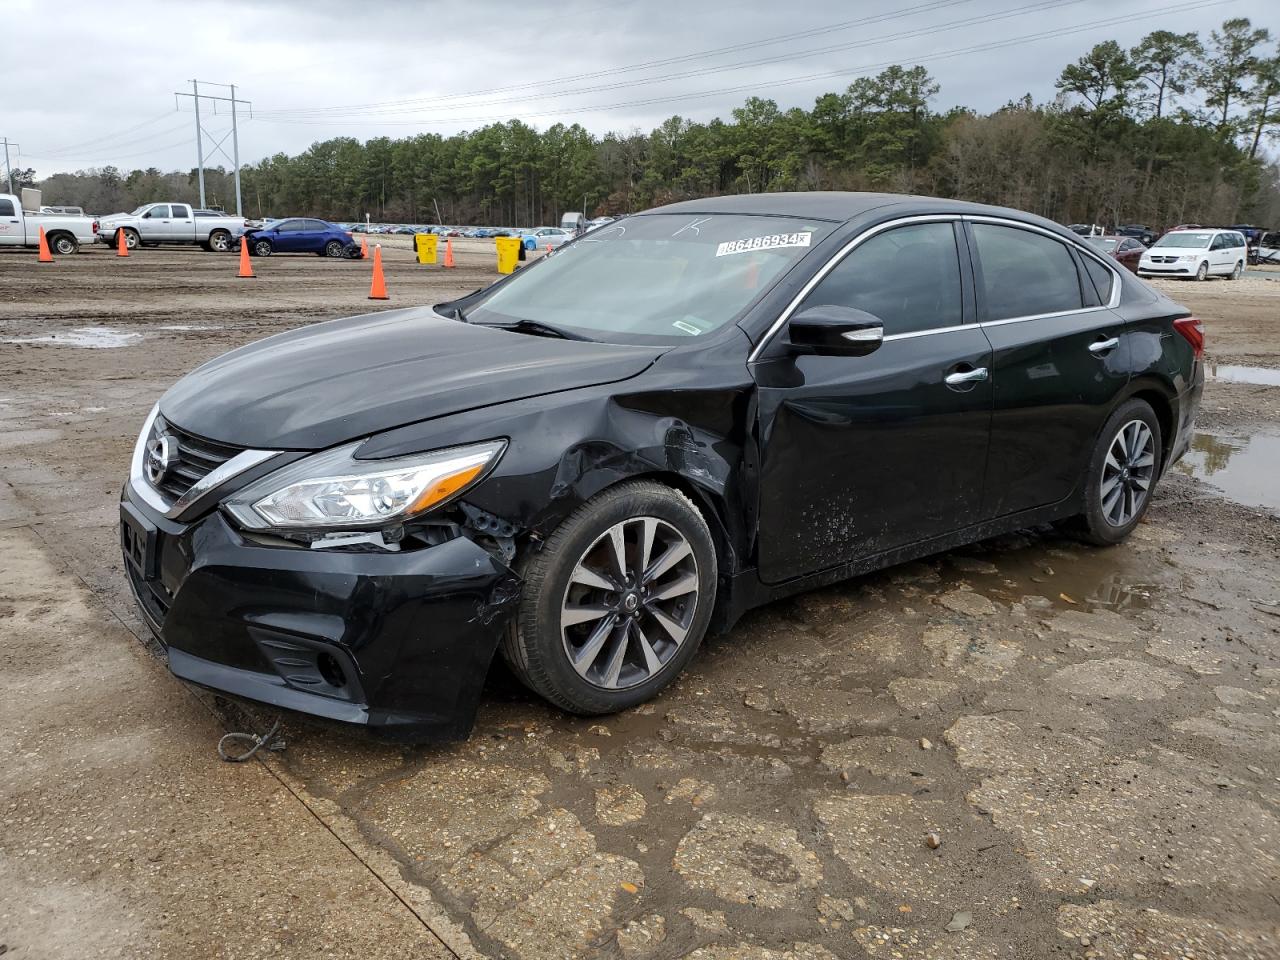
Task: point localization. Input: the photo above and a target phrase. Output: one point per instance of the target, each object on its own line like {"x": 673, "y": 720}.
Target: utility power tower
{"x": 8, "y": 170}
{"x": 201, "y": 156}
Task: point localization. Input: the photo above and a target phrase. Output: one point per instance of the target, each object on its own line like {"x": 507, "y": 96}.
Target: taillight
{"x": 95, "y": 226}
{"x": 1192, "y": 331}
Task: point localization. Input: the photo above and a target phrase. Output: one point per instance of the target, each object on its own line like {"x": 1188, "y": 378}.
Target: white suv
{"x": 1196, "y": 253}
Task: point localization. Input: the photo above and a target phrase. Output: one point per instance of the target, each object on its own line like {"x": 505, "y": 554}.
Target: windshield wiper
{"x": 535, "y": 327}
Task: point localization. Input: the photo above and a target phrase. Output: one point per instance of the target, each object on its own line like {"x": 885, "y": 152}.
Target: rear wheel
{"x": 1122, "y": 474}
{"x": 65, "y": 244}
{"x": 616, "y": 602}
{"x": 334, "y": 248}
{"x": 219, "y": 241}
{"x": 1235, "y": 274}
{"x": 261, "y": 248}
{"x": 1203, "y": 272}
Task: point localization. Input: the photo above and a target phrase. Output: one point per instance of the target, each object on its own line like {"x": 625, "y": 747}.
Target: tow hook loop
{"x": 256, "y": 743}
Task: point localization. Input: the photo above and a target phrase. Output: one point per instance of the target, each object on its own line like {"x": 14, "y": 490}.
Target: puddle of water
{"x": 1238, "y": 374}
{"x": 92, "y": 338}
{"x": 1241, "y": 470}
{"x": 1069, "y": 578}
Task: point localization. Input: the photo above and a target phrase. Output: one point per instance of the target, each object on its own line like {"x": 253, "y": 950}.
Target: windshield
{"x": 667, "y": 276}
{"x": 1184, "y": 240}
{"x": 138, "y": 212}
{"x": 1103, "y": 243}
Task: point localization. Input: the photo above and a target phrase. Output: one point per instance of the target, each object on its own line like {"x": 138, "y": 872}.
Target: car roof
{"x": 840, "y": 207}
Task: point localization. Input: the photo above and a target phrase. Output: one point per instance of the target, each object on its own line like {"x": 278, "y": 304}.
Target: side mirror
{"x": 147, "y": 215}
{"x": 830, "y": 330}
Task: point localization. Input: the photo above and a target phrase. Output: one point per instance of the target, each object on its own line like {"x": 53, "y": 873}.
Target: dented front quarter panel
{"x": 564, "y": 448}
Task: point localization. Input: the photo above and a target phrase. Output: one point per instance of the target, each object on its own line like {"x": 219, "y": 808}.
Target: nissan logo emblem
{"x": 160, "y": 451}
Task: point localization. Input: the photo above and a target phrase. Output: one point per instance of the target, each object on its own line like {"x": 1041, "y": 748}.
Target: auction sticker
{"x": 769, "y": 242}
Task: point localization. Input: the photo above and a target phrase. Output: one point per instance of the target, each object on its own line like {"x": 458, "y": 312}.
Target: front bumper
{"x": 399, "y": 643}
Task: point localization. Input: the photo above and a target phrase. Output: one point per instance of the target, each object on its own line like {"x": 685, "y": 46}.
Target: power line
{"x": 150, "y": 151}
{"x": 71, "y": 148}
{"x": 1037, "y": 7}
{"x": 732, "y": 48}
{"x": 73, "y": 155}
{"x": 757, "y": 87}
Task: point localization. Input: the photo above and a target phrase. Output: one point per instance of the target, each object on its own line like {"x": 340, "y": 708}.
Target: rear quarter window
{"x": 1102, "y": 278}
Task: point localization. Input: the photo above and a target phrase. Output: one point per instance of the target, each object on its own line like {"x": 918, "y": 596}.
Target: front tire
{"x": 1122, "y": 474}
{"x": 616, "y": 602}
{"x": 261, "y": 248}
{"x": 131, "y": 239}
{"x": 1202, "y": 273}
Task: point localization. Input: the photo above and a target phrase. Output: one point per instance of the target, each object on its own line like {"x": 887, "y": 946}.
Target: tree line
{"x": 1175, "y": 129}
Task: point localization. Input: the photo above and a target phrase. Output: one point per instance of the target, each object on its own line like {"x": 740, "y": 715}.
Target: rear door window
{"x": 909, "y": 277}
{"x": 181, "y": 212}
{"x": 1024, "y": 274}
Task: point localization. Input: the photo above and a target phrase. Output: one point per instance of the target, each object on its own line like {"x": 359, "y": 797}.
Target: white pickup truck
{"x": 157, "y": 223}
{"x": 63, "y": 233}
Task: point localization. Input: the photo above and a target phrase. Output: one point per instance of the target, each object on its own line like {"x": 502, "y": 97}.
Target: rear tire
{"x": 334, "y": 249}
{"x": 64, "y": 244}
{"x": 591, "y": 640}
{"x": 1235, "y": 274}
{"x": 1122, "y": 475}
{"x": 219, "y": 241}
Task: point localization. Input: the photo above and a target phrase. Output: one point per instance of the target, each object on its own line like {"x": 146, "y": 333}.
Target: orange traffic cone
{"x": 246, "y": 268}
{"x": 448, "y": 252}
{"x": 122, "y": 245}
{"x": 364, "y": 247}
{"x": 378, "y": 289}
{"x": 45, "y": 255}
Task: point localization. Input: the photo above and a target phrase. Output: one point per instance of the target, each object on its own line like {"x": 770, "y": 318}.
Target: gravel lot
{"x": 1026, "y": 748}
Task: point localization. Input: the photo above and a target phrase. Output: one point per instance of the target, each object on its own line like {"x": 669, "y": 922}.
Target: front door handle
{"x": 961, "y": 377}
{"x": 1100, "y": 347}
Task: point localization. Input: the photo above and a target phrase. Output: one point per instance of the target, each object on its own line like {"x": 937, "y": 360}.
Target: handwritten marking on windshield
{"x": 693, "y": 225}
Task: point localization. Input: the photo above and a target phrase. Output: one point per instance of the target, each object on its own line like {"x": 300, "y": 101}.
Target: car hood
{"x": 333, "y": 382}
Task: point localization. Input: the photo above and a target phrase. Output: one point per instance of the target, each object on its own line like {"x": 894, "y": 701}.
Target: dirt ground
{"x": 1090, "y": 736}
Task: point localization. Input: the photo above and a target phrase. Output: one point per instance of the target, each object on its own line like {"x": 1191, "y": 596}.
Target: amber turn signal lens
{"x": 444, "y": 488}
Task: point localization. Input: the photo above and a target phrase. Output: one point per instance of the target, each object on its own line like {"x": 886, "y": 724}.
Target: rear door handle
{"x": 961, "y": 377}
{"x": 1104, "y": 346}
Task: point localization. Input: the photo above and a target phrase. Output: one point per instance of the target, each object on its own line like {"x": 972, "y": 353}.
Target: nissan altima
{"x": 587, "y": 466}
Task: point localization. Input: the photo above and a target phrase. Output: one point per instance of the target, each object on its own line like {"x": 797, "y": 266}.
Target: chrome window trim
{"x": 853, "y": 243}
{"x": 245, "y": 460}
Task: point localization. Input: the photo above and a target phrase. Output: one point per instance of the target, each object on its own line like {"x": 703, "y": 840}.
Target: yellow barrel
{"x": 508, "y": 253}
{"x": 425, "y": 245}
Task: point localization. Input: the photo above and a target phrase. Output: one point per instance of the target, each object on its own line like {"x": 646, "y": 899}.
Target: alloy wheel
{"x": 629, "y": 603}
{"x": 1127, "y": 473}
{"x": 220, "y": 242}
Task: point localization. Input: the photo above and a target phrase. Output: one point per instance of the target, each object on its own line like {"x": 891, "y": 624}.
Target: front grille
{"x": 193, "y": 459}
{"x": 1164, "y": 259}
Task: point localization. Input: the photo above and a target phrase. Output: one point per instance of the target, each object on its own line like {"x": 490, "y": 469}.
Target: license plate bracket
{"x": 138, "y": 541}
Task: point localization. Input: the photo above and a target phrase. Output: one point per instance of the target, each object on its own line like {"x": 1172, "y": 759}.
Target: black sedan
{"x": 592, "y": 463}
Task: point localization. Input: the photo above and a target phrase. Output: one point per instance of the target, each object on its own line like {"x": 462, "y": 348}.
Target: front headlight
{"x": 1187, "y": 256}
{"x": 333, "y": 489}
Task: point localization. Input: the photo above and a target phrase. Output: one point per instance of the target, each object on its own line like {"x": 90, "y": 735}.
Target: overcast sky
{"x": 91, "y": 82}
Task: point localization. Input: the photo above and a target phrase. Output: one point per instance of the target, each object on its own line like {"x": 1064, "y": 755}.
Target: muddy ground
{"x": 1092, "y": 735}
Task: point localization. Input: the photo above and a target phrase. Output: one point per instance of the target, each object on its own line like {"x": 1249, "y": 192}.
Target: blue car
{"x": 301, "y": 235}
